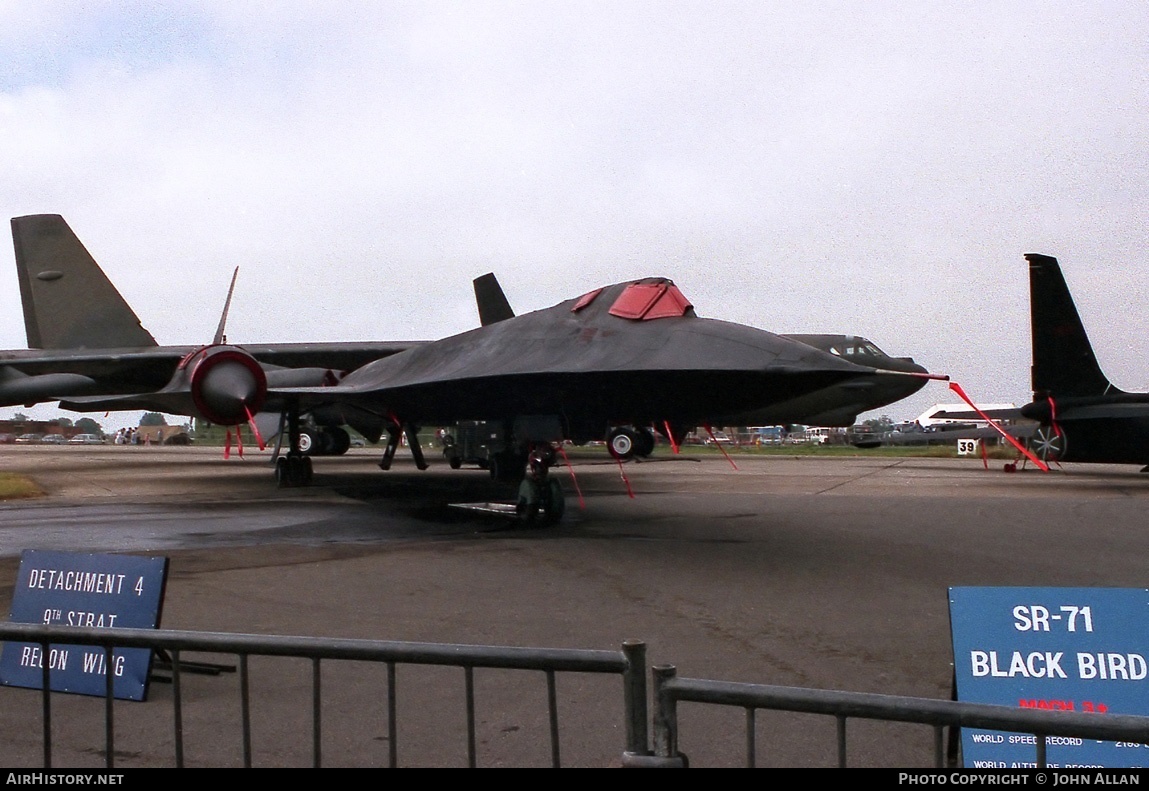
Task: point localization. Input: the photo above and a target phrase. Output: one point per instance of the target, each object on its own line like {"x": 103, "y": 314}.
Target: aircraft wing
{"x": 35, "y": 375}
{"x": 30, "y": 375}
{"x": 345, "y": 356}
{"x": 85, "y": 340}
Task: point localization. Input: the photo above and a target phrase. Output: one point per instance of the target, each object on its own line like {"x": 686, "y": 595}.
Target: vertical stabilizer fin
{"x": 220, "y": 331}
{"x": 1063, "y": 359}
{"x": 69, "y": 303}
{"x": 492, "y": 302}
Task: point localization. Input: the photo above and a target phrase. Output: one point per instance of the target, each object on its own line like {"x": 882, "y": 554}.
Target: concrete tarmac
{"x": 818, "y": 572}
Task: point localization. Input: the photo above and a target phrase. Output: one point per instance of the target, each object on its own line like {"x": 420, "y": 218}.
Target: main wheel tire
{"x": 310, "y": 442}
{"x": 621, "y": 443}
{"x": 1048, "y": 443}
{"x": 291, "y": 471}
{"x": 340, "y": 440}
{"x": 554, "y": 504}
{"x": 527, "y": 506}
{"x": 644, "y": 442}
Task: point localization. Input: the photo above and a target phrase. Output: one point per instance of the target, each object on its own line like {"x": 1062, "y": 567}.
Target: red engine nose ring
{"x": 226, "y": 385}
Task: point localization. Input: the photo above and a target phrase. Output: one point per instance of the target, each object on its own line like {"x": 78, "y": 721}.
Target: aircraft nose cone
{"x": 909, "y": 386}
{"x": 903, "y": 364}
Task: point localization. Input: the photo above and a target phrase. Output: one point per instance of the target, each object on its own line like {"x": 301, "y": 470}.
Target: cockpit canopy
{"x": 852, "y": 347}
{"x": 644, "y": 300}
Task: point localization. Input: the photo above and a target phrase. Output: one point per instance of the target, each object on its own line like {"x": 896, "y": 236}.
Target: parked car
{"x": 28, "y": 439}
{"x": 86, "y": 439}
{"x": 7, "y": 439}
{"x": 719, "y": 436}
{"x": 53, "y": 439}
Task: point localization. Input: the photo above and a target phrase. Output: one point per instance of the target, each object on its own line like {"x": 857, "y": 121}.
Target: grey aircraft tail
{"x": 69, "y": 303}
{"x": 1063, "y": 359}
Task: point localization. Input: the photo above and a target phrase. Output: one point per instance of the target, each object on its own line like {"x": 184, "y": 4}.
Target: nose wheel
{"x": 541, "y": 499}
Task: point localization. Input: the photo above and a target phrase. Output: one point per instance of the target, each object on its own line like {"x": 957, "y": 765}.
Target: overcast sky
{"x": 870, "y": 168}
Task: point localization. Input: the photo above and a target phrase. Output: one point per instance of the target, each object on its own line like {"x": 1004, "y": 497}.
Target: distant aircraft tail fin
{"x": 69, "y": 303}
{"x": 492, "y": 302}
{"x": 1063, "y": 359}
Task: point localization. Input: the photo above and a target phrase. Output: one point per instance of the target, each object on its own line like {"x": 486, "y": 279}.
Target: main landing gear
{"x": 325, "y": 441}
{"x": 294, "y": 468}
{"x": 1048, "y": 443}
{"x": 412, "y": 434}
{"x": 541, "y": 499}
{"x": 626, "y": 442}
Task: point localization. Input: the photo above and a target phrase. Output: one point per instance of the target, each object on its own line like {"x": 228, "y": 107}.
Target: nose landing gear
{"x": 541, "y": 499}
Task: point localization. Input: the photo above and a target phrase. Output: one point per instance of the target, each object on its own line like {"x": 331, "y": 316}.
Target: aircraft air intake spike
{"x": 228, "y": 385}
{"x": 227, "y": 388}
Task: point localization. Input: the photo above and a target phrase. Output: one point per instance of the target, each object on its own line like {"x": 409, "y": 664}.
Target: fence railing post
{"x": 634, "y": 697}
{"x": 665, "y": 713}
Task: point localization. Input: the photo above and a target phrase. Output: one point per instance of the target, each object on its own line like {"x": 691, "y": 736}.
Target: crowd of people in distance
{"x": 130, "y": 436}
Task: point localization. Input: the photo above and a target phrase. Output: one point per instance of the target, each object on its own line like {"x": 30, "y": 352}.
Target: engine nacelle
{"x": 226, "y": 383}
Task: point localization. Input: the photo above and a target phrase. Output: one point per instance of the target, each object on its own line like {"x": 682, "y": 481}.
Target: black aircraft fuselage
{"x": 599, "y": 360}
{"x": 840, "y": 404}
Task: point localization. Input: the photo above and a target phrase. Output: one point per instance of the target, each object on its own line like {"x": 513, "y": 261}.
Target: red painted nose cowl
{"x": 227, "y": 386}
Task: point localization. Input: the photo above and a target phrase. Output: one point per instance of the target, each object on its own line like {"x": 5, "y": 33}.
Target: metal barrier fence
{"x": 629, "y": 663}
{"x": 669, "y": 690}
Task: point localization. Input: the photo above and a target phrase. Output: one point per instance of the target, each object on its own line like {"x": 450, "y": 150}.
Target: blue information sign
{"x": 1061, "y": 649}
{"x": 95, "y": 591}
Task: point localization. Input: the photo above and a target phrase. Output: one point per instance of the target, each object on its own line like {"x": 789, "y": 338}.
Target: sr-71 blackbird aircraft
{"x": 1081, "y": 416}
{"x": 613, "y": 362}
